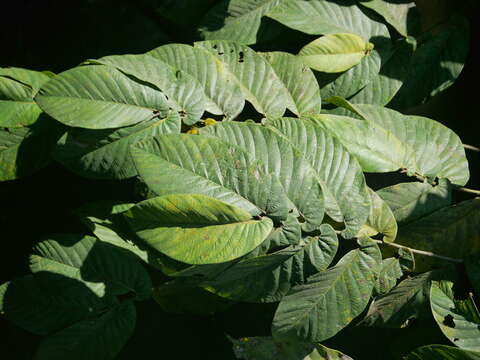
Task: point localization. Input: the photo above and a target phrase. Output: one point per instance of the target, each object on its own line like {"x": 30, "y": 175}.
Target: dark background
{"x": 57, "y": 35}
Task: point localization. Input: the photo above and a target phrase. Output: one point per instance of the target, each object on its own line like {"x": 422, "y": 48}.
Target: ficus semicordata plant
{"x": 251, "y": 165}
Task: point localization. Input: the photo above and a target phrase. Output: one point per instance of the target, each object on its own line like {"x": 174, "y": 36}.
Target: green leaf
{"x": 439, "y": 352}
{"x": 222, "y": 93}
{"x": 100, "y": 97}
{"x": 175, "y": 297}
{"x": 196, "y": 229}
{"x": 281, "y": 159}
{"x": 105, "y": 153}
{"x": 185, "y": 95}
{"x": 236, "y": 20}
{"x": 100, "y": 338}
{"x": 329, "y": 300}
{"x": 17, "y": 89}
{"x": 346, "y": 196}
{"x": 266, "y": 348}
{"x": 334, "y": 53}
{"x": 390, "y": 272}
{"x": 45, "y": 302}
{"x": 383, "y": 87}
{"x": 320, "y": 17}
{"x": 200, "y": 162}
{"x": 380, "y": 220}
{"x": 459, "y": 320}
{"x": 452, "y": 231}
{"x": 409, "y": 299}
{"x": 435, "y": 65}
{"x": 106, "y": 222}
{"x": 269, "y": 277}
{"x": 387, "y": 141}
{"x": 412, "y": 201}
{"x": 299, "y": 80}
{"x": 24, "y": 150}
{"x": 87, "y": 259}
{"x": 401, "y": 15}
{"x": 258, "y": 81}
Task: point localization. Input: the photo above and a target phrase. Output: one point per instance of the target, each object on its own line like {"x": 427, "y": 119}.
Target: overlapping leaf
{"x": 459, "y": 320}
{"x": 24, "y": 150}
{"x": 380, "y": 220}
{"x": 236, "y": 20}
{"x": 100, "y": 338}
{"x": 329, "y": 300}
{"x": 334, "y": 53}
{"x": 435, "y": 352}
{"x": 409, "y": 299}
{"x": 282, "y": 159}
{"x": 401, "y": 15}
{"x": 412, "y": 201}
{"x": 269, "y": 277}
{"x": 45, "y": 302}
{"x": 451, "y": 231}
{"x": 320, "y": 17}
{"x": 183, "y": 92}
{"x": 196, "y": 229}
{"x": 91, "y": 261}
{"x": 267, "y": 348}
{"x": 105, "y": 153}
{"x": 390, "y": 272}
{"x": 204, "y": 165}
{"x": 346, "y": 196}
{"x": 386, "y": 140}
{"x": 100, "y": 97}
{"x": 222, "y": 94}
{"x": 436, "y": 64}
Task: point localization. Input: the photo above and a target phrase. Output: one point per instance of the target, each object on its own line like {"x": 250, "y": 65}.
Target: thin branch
{"x": 471, "y": 147}
{"x": 420, "y": 252}
{"x": 467, "y": 190}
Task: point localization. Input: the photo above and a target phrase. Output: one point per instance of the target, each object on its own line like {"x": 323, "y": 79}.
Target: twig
{"x": 471, "y": 147}
{"x": 467, "y": 190}
{"x": 420, "y": 252}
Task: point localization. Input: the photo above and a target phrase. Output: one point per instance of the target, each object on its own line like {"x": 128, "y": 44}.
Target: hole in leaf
{"x": 448, "y": 321}
{"x": 215, "y": 46}
{"x": 456, "y": 339}
{"x": 241, "y": 57}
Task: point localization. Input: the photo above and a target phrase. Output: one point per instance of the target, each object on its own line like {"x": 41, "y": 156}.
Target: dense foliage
{"x": 249, "y": 163}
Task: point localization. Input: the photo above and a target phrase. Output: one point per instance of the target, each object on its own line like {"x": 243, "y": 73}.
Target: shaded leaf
{"x": 409, "y": 299}
{"x": 435, "y": 65}
{"x": 329, "y": 300}
{"x": 100, "y": 338}
{"x": 452, "y": 231}
{"x": 390, "y": 272}
{"x": 45, "y": 302}
{"x": 87, "y": 259}
{"x": 380, "y": 220}
{"x": 412, "y": 201}
{"x": 459, "y": 320}
{"x": 105, "y": 153}
{"x": 24, "y": 150}
{"x": 236, "y": 20}
{"x": 437, "y": 352}
{"x": 17, "y": 89}
{"x": 269, "y": 277}
{"x": 196, "y": 229}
